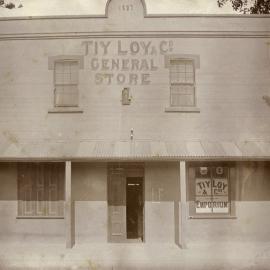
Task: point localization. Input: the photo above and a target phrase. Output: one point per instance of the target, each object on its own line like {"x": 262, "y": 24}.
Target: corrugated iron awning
{"x": 138, "y": 149}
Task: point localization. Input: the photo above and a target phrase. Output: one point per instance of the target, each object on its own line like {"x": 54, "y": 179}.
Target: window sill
{"x": 66, "y": 110}
{"x": 37, "y": 217}
{"x": 212, "y": 217}
{"x": 183, "y": 109}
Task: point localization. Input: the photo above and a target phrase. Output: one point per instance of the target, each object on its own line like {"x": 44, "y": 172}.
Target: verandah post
{"x": 68, "y": 206}
{"x": 183, "y": 205}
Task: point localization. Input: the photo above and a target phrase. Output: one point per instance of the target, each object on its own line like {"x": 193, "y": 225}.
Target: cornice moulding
{"x": 129, "y": 34}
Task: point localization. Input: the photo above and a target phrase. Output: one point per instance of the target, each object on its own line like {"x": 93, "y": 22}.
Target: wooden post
{"x": 183, "y": 205}
{"x": 68, "y": 206}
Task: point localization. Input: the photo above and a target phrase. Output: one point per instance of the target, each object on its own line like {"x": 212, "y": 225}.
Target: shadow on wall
{"x": 89, "y": 182}
{"x": 8, "y": 181}
{"x": 252, "y": 181}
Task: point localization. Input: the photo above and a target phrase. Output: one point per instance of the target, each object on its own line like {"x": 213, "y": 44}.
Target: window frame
{"x": 52, "y": 60}
{"x": 195, "y": 60}
{"x": 191, "y": 190}
{"x": 75, "y": 85}
{"x": 31, "y": 169}
{"x": 182, "y": 84}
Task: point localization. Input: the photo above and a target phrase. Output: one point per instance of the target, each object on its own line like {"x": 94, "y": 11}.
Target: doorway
{"x": 126, "y": 203}
{"x": 134, "y": 210}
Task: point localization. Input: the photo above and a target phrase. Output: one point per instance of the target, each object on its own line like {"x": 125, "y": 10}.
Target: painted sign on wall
{"x": 125, "y": 62}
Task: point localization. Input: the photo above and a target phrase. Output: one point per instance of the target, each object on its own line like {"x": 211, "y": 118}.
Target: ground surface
{"x": 133, "y": 256}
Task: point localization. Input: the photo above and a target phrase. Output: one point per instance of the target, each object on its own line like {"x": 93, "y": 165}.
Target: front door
{"x": 125, "y": 204}
{"x": 117, "y": 207}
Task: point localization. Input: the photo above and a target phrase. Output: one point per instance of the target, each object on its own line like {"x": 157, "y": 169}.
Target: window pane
{"x": 66, "y": 72}
{"x": 66, "y": 95}
{"x": 74, "y": 78}
{"x": 66, "y": 83}
{"x": 221, "y": 204}
{"x": 203, "y": 190}
{"x": 178, "y": 77}
{"x": 189, "y": 78}
{"x": 220, "y": 187}
{"x": 58, "y": 78}
{"x": 220, "y": 190}
{"x": 203, "y": 205}
{"x": 182, "y": 95}
{"x": 189, "y": 67}
{"x": 181, "y": 71}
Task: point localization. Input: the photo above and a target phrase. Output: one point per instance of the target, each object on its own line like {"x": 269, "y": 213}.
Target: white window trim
{"x": 196, "y": 62}
{"x": 51, "y": 66}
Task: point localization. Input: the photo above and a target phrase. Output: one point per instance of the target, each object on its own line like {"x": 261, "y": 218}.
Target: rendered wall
{"x": 89, "y": 192}
{"x": 29, "y": 230}
{"x": 161, "y": 193}
{"x": 231, "y": 81}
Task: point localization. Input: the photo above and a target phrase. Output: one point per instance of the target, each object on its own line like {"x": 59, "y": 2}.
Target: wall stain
{"x": 11, "y": 137}
{"x": 8, "y": 76}
{"x": 92, "y": 266}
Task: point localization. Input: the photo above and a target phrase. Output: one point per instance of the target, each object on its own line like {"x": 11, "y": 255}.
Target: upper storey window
{"x": 66, "y": 69}
{"x": 182, "y": 80}
{"x": 66, "y": 78}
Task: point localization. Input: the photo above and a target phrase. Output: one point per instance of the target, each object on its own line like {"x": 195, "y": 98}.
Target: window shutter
{"x": 61, "y": 188}
{"x": 53, "y": 192}
{"x": 25, "y": 185}
{"x": 40, "y": 191}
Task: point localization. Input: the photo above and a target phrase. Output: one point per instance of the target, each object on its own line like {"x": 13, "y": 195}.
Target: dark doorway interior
{"x": 134, "y": 200}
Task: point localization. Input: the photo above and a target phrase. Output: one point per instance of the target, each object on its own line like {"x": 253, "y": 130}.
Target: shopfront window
{"x": 210, "y": 190}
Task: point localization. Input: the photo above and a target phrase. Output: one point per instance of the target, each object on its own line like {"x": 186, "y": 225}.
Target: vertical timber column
{"x": 183, "y": 205}
{"x": 68, "y": 206}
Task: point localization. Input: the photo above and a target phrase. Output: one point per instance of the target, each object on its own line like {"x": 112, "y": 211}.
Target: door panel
{"x": 117, "y": 207}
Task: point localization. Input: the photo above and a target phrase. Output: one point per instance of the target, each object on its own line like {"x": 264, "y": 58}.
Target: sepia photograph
{"x": 135, "y": 135}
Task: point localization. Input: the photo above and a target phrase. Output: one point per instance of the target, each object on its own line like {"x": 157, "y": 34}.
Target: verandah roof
{"x": 136, "y": 150}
